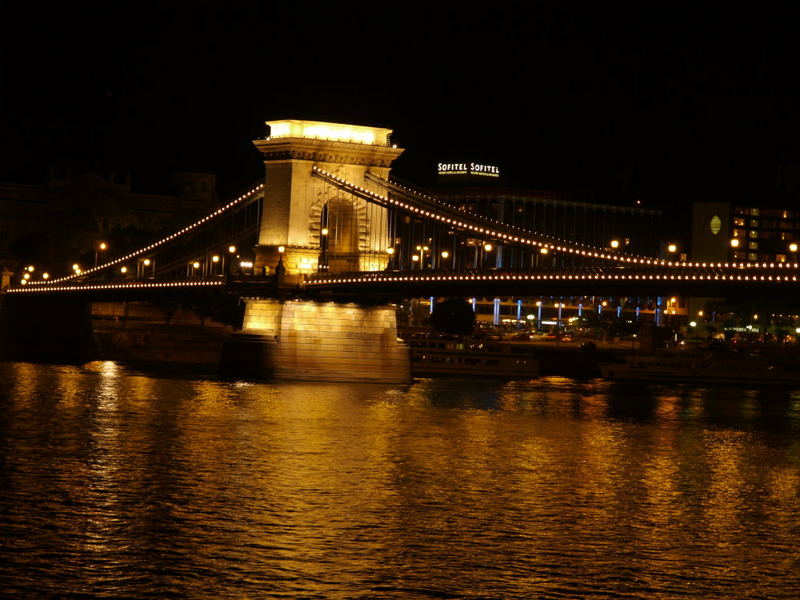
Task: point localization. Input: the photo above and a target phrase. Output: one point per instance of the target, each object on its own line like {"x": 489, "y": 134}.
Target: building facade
{"x": 724, "y": 231}
{"x": 71, "y": 211}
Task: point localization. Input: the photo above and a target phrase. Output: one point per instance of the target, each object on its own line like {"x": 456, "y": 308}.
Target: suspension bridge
{"x": 328, "y": 223}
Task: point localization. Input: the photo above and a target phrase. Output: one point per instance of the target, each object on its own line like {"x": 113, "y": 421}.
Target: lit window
{"x": 753, "y": 245}
{"x": 780, "y": 257}
{"x": 753, "y": 222}
{"x": 752, "y": 256}
{"x": 753, "y": 233}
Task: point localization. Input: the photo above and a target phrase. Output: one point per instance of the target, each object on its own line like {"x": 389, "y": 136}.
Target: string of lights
{"x": 500, "y": 231}
{"x": 115, "y": 286}
{"x": 82, "y": 273}
{"x": 377, "y": 277}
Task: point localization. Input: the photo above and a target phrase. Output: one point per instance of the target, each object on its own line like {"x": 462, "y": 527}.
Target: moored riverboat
{"x": 472, "y": 357}
{"x": 704, "y": 367}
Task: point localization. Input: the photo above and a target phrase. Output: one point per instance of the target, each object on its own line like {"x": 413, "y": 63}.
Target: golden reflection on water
{"x": 434, "y": 482}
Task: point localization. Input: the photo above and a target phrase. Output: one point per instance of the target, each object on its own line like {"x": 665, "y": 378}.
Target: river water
{"x": 120, "y": 484}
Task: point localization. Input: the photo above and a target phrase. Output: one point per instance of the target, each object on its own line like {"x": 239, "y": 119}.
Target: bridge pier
{"x": 316, "y": 341}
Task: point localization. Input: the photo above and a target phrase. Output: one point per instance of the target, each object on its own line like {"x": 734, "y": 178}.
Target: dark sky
{"x": 665, "y": 106}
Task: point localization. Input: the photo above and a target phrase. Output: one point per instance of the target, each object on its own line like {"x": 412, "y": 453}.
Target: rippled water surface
{"x": 115, "y": 483}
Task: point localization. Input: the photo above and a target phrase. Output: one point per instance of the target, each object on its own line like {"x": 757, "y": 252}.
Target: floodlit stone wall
{"x": 330, "y": 341}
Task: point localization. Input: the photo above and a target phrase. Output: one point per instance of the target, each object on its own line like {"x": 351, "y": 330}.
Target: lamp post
{"x": 793, "y": 250}
{"x": 487, "y": 247}
{"x": 543, "y": 251}
{"x": 421, "y": 250}
{"x": 280, "y": 269}
{"x": 99, "y": 247}
{"x": 445, "y": 256}
{"x": 539, "y": 315}
{"x": 672, "y": 248}
{"x": 142, "y": 267}
{"x": 322, "y": 265}
{"x": 390, "y": 263}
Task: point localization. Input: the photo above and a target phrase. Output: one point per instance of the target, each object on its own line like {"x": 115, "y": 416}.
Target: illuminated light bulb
{"x": 146, "y": 262}
{"x": 196, "y": 265}
{"x": 123, "y": 270}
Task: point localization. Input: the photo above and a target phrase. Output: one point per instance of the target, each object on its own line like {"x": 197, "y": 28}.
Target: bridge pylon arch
{"x": 297, "y": 206}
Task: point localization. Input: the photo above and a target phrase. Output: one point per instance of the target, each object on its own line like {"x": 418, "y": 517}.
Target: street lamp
{"x": 322, "y": 264}
{"x": 672, "y": 248}
{"x": 615, "y": 244}
{"x": 735, "y": 243}
{"x": 445, "y": 256}
{"x": 793, "y": 250}
{"x": 99, "y": 247}
{"x": 539, "y": 312}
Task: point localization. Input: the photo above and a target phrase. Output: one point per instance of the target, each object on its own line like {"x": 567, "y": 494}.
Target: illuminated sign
{"x": 468, "y": 169}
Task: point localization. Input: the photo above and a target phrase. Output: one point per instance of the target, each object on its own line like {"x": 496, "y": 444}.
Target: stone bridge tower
{"x": 311, "y": 220}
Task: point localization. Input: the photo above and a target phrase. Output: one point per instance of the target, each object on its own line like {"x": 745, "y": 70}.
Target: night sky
{"x": 660, "y": 106}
